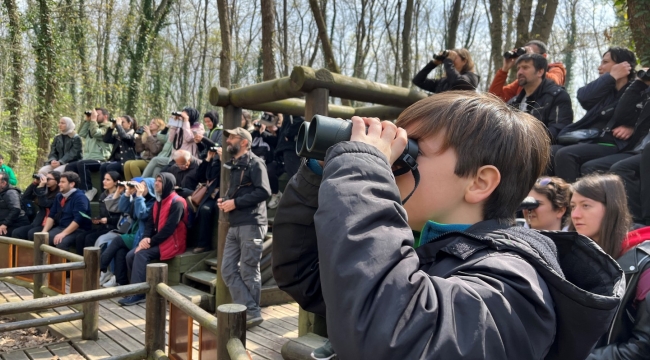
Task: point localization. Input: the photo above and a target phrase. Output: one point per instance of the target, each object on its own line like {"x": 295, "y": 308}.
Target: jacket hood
{"x": 587, "y": 291}
{"x": 558, "y": 66}
{"x": 168, "y": 182}
{"x": 150, "y": 186}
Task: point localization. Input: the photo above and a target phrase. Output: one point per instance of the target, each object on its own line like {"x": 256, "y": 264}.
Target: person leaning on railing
{"x": 459, "y": 73}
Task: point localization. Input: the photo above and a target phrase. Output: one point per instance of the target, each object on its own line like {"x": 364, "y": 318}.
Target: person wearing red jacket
{"x": 164, "y": 235}
{"x": 556, "y": 72}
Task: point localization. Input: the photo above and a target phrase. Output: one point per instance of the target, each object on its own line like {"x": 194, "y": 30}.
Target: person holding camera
{"x": 44, "y": 189}
{"x": 95, "y": 150}
{"x": 541, "y": 97}
{"x": 182, "y": 137}
{"x": 556, "y": 71}
{"x": 459, "y": 72}
{"x": 446, "y": 273}
{"x": 599, "y": 133}
{"x": 122, "y": 137}
{"x": 12, "y": 215}
{"x": 69, "y": 216}
{"x": 65, "y": 148}
{"x": 149, "y": 142}
{"x": 209, "y": 175}
{"x": 245, "y": 202}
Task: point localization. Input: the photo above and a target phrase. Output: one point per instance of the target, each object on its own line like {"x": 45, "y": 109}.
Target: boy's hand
{"x": 384, "y": 135}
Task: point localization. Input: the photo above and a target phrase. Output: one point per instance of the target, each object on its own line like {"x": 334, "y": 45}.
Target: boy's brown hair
{"x": 483, "y": 130}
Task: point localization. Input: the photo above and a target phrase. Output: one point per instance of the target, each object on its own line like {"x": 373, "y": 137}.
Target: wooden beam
{"x": 42, "y": 269}
{"x": 232, "y": 324}
{"x": 267, "y": 91}
{"x": 40, "y": 258}
{"x": 201, "y": 316}
{"x": 61, "y": 253}
{"x": 89, "y": 325}
{"x": 17, "y": 242}
{"x": 236, "y": 350}
{"x": 40, "y": 322}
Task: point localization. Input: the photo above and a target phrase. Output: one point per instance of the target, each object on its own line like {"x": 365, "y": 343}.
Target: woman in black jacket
{"x": 123, "y": 139}
{"x": 208, "y": 173}
{"x": 459, "y": 73}
{"x": 44, "y": 191}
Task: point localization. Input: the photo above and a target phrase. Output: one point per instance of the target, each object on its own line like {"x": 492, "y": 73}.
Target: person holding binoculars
{"x": 445, "y": 271}
{"x": 556, "y": 71}
{"x": 459, "y": 72}
{"x": 148, "y": 145}
{"x": 122, "y": 137}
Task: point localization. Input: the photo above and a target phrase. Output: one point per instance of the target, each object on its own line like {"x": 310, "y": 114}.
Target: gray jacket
{"x": 65, "y": 148}
{"x": 249, "y": 190}
{"x": 490, "y": 292}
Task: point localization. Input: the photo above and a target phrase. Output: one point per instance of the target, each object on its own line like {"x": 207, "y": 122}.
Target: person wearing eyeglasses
{"x": 43, "y": 191}
{"x": 554, "y": 197}
{"x": 459, "y": 73}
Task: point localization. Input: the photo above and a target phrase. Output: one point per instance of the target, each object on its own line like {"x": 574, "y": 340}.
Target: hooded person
{"x": 182, "y": 138}
{"x": 66, "y": 147}
{"x": 164, "y": 234}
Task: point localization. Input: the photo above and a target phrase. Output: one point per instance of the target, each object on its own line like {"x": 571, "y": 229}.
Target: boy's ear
{"x": 487, "y": 179}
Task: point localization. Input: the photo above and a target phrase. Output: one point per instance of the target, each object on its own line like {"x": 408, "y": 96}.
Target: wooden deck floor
{"x": 121, "y": 330}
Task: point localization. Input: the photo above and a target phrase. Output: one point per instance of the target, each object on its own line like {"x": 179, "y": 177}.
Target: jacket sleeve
{"x": 420, "y": 80}
{"x": 561, "y": 114}
{"x": 96, "y": 131}
{"x": 188, "y": 136}
{"x": 42, "y": 198}
{"x": 557, "y": 73}
{"x": 626, "y": 112}
{"x": 261, "y": 184}
{"x": 29, "y": 194}
{"x": 13, "y": 181}
{"x": 126, "y": 137}
{"x": 108, "y": 137}
{"x": 386, "y": 307}
{"x": 498, "y": 87}
{"x": 456, "y": 80}
{"x": 84, "y": 129}
{"x": 124, "y": 204}
{"x": 75, "y": 151}
{"x": 638, "y": 345}
{"x": 81, "y": 205}
{"x": 295, "y": 252}
{"x": 140, "y": 209}
{"x": 592, "y": 93}
{"x": 173, "y": 219}
{"x": 12, "y": 198}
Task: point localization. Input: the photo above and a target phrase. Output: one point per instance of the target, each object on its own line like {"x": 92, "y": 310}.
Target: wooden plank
{"x": 269, "y": 335}
{"x": 262, "y": 351}
{"x": 90, "y": 349}
{"x": 120, "y": 337}
{"x": 291, "y": 320}
{"x": 290, "y": 307}
{"x": 110, "y": 345}
{"x": 65, "y": 352}
{"x": 123, "y": 313}
{"x": 15, "y": 355}
{"x": 39, "y": 353}
{"x": 264, "y": 342}
{"x": 271, "y": 326}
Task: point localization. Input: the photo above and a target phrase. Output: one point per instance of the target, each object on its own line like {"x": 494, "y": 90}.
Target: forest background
{"x": 147, "y": 58}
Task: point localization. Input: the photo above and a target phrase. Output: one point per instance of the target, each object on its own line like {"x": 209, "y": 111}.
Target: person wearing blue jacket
{"x": 69, "y": 215}
{"x": 137, "y": 201}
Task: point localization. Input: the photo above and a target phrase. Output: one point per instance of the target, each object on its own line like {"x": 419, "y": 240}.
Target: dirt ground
{"x": 24, "y": 339}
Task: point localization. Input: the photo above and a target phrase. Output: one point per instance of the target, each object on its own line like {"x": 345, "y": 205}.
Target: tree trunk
{"x": 204, "y": 53}
{"x": 14, "y": 102}
{"x": 328, "y": 52}
{"x": 268, "y": 39}
{"x": 226, "y": 47}
{"x": 106, "y": 52}
{"x": 569, "y": 51}
{"x": 496, "y": 33}
{"x": 510, "y": 25}
{"x": 151, "y": 22}
{"x": 523, "y": 21}
{"x": 638, "y": 11}
{"x": 285, "y": 39}
{"x": 544, "y": 17}
{"x": 124, "y": 51}
{"x": 80, "y": 25}
{"x": 452, "y": 27}
{"x": 406, "y": 44}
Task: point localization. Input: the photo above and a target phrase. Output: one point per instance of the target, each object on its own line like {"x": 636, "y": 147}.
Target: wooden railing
{"x": 230, "y": 335}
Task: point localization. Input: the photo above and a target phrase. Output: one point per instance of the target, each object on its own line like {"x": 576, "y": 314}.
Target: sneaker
{"x": 252, "y": 321}
{"x": 90, "y": 194}
{"x": 133, "y": 300}
{"x": 112, "y": 282}
{"x": 324, "y": 352}
{"x": 275, "y": 200}
{"x": 104, "y": 276}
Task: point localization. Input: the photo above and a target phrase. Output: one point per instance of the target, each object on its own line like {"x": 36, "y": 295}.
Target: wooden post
{"x": 39, "y": 259}
{"x": 231, "y": 119}
{"x": 231, "y": 323}
{"x": 154, "y": 330}
{"x": 90, "y": 322}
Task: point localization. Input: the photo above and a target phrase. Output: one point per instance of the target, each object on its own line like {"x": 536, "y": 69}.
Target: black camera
{"x": 514, "y": 53}
{"x": 643, "y": 75}
{"x": 213, "y": 148}
{"x": 140, "y": 130}
{"x": 36, "y": 176}
{"x": 88, "y": 113}
{"x": 176, "y": 113}
{"x": 441, "y": 55}
{"x": 529, "y": 203}
{"x": 112, "y": 120}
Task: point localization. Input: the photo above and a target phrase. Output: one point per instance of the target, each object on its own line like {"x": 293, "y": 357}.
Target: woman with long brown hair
{"x": 459, "y": 73}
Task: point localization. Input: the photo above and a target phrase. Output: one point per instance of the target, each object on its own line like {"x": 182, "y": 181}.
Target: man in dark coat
{"x": 541, "y": 97}
{"x": 12, "y": 215}
{"x": 469, "y": 284}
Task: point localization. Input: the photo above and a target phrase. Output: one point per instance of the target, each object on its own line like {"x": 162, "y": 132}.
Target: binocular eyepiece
{"x": 643, "y": 75}
{"x": 315, "y": 137}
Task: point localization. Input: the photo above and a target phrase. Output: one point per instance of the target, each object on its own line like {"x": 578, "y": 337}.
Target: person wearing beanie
{"x": 66, "y": 147}
{"x": 182, "y": 138}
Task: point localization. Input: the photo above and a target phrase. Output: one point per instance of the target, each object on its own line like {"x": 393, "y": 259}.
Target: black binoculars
{"x": 112, "y": 120}
{"x": 514, "y": 53}
{"x": 643, "y": 75}
{"x": 176, "y": 113}
{"x": 88, "y": 112}
{"x": 315, "y": 137}
{"x": 441, "y": 56}
{"x": 529, "y": 203}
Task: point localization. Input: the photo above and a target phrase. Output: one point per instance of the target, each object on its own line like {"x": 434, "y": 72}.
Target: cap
{"x": 241, "y": 132}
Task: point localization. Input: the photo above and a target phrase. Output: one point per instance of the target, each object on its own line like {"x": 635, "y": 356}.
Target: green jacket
{"x": 94, "y": 146}
{"x": 12, "y": 177}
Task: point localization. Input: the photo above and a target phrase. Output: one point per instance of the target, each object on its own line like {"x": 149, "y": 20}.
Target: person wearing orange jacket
{"x": 556, "y": 72}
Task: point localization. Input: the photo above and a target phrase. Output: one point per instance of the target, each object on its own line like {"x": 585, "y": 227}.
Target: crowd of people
{"x": 450, "y": 257}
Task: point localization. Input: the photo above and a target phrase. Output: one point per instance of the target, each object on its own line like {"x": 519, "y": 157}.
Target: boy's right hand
{"x": 384, "y": 135}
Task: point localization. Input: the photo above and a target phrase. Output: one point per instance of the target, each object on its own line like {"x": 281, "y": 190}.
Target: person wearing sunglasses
{"x": 43, "y": 191}
{"x": 553, "y": 196}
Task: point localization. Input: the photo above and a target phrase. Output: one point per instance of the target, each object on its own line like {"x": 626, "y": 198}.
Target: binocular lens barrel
{"x": 315, "y": 137}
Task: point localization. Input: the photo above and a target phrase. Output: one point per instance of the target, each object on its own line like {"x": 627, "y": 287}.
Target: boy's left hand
{"x": 384, "y": 135}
